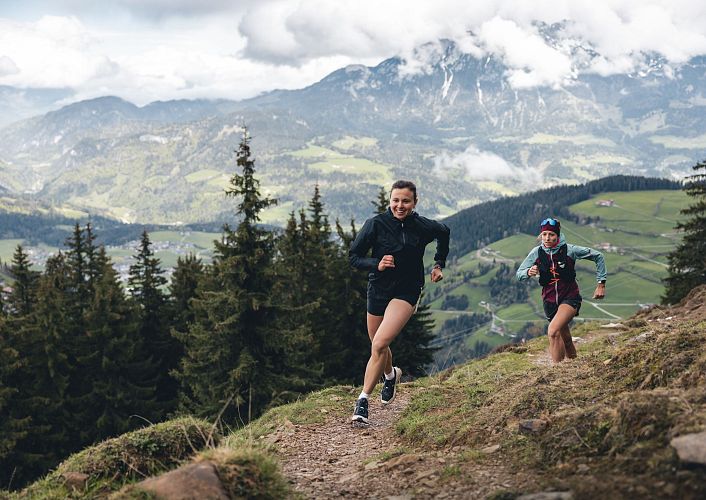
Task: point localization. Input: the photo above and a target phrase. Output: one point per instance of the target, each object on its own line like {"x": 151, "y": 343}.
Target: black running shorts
{"x": 550, "y": 308}
{"x": 378, "y": 298}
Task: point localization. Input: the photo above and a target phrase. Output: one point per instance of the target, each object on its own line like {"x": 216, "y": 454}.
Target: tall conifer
{"x": 687, "y": 264}
{"x": 146, "y": 285}
{"x": 233, "y": 352}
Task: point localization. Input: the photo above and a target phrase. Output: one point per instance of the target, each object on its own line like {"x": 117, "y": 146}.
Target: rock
{"x": 75, "y": 480}
{"x": 425, "y": 474}
{"x": 642, "y": 337}
{"x": 491, "y": 449}
{"x": 547, "y": 495}
{"x": 372, "y": 465}
{"x": 533, "y": 425}
{"x": 582, "y": 468}
{"x": 691, "y": 448}
{"x": 403, "y": 461}
{"x": 614, "y": 325}
{"x": 197, "y": 480}
{"x": 608, "y": 361}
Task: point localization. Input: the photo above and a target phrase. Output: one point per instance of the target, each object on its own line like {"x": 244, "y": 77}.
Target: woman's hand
{"x": 385, "y": 262}
{"x": 600, "y": 291}
{"x": 436, "y": 275}
{"x": 533, "y": 271}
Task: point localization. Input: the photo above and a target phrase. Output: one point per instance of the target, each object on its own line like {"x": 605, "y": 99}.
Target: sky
{"x": 147, "y": 50}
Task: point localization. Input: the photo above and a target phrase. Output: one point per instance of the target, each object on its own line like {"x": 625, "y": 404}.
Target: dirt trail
{"x": 337, "y": 460}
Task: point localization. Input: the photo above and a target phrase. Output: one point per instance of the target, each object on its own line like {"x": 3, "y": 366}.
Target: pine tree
{"x": 24, "y": 289}
{"x": 687, "y": 263}
{"x": 382, "y": 202}
{"x": 13, "y": 428}
{"x": 146, "y": 283}
{"x": 120, "y": 385}
{"x": 43, "y": 378}
{"x": 233, "y": 352}
{"x": 182, "y": 289}
{"x": 351, "y": 297}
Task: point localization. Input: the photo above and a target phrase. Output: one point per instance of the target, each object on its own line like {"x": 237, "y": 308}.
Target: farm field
{"x": 635, "y": 233}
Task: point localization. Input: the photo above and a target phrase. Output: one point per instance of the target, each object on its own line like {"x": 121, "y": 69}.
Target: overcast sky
{"x": 146, "y": 50}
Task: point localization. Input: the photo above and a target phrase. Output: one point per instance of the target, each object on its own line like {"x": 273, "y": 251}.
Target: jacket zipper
{"x": 404, "y": 241}
{"x": 556, "y": 283}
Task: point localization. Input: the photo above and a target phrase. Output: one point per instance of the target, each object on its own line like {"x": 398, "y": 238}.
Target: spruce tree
{"x": 182, "y": 289}
{"x": 351, "y": 297}
{"x": 121, "y": 387}
{"x": 146, "y": 284}
{"x": 233, "y": 352}
{"x": 687, "y": 263}
{"x": 13, "y": 428}
{"x": 44, "y": 376}
{"x": 24, "y": 289}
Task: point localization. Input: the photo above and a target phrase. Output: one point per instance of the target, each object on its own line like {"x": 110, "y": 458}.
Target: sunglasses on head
{"x": 548, "y": 220}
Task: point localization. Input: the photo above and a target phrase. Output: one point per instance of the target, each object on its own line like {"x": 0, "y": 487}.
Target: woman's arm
{"x": 358, "y": 253}
{"x": 529, "y": 261}
{"x": 442, "y": 235}
{"x": 577, "y": 252}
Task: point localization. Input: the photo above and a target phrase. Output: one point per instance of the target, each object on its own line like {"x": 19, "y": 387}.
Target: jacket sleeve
{"x": 357, "y": 254}
{"x": 577, "y": 252}
{"x": 442, "y": 235}
{"x": 529, "y": 261}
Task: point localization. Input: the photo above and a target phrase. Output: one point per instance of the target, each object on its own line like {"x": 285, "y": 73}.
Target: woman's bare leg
{"x": 396, "y": 316}
{"x": 373, "y": 325}
{"x": 568, "y": 342}
{"x": 557, "y": 348}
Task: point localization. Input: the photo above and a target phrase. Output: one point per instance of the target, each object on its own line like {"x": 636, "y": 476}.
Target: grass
{"x": 349, "y": 142}
{"x": 374, "y": 172}
{"x": 615, "y": 407}
{"x": 202, "y": 175}
{"x": 7, "y": 249}
{"x": 125, "y": 459}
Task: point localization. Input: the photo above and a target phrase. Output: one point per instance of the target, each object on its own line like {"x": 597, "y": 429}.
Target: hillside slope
{"x": 610, "y": 424}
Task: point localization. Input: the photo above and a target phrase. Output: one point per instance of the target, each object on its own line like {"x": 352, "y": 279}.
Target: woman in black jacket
{"x": 397, "y": 239}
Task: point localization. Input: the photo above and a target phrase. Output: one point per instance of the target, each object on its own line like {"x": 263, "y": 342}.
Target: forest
{"x": 273, "y": 316}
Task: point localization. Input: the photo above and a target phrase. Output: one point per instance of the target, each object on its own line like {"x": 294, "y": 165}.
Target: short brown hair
{"x": 405, "y": 185}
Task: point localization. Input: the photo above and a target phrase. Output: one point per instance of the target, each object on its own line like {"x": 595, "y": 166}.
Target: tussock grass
{"x": 316, "y": 407}
{"x": 125, "y": 459}
{"x": 616, "y": 407}
{"x": 247, "y": 473}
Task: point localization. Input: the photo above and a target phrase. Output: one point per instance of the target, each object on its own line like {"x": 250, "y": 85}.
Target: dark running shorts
{"x": 379, "y": 299}
{"x": 550, "y": 308}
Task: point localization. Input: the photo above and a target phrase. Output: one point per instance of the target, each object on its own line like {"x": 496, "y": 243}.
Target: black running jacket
{"x": 405, "y": 240}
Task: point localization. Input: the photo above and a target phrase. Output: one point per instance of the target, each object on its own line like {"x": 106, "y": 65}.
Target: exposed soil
{"x": 337, "y": 460}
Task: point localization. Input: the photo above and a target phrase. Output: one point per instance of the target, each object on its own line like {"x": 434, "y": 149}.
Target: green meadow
{"x": 635, "y": 234}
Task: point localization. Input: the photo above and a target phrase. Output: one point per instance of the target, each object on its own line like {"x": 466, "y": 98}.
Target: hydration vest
{"x": 563, "y": 266}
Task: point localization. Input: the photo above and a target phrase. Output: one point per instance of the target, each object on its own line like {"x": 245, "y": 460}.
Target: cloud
{"x": 476, "y": 165}
{"x": 622, "y": 31}
{"x": 7, "y": 66}
{"x": 164, "y": 49}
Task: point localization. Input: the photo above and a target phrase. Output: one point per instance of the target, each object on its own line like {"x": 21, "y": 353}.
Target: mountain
{"x": 446, "y": 119}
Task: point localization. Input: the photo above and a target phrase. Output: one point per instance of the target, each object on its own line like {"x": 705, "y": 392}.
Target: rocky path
{"x": 338, "y": 460}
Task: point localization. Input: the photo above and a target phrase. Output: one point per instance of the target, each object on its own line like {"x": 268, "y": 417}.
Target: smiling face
{"x": 549, "y": 238}
{"x": 402, "y": 202}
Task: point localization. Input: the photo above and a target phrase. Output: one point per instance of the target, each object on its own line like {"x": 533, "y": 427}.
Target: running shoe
{"x": 361, "y": 411}
{"x": 389, "y": 388}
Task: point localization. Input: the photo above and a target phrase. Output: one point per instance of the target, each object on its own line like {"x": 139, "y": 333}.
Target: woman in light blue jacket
{"x": 553, "y": 262}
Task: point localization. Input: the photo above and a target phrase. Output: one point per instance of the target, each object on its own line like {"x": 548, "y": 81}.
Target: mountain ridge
{"x": 458, "y": 128}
